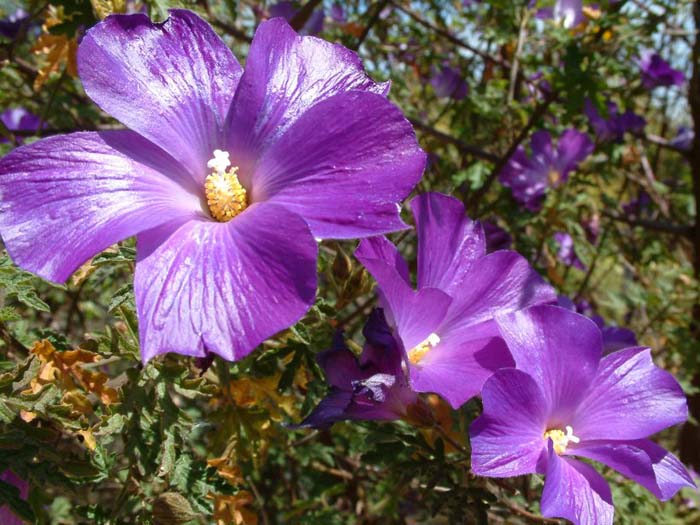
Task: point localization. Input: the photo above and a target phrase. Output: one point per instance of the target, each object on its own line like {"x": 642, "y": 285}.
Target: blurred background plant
{"x": 102, "y": 439}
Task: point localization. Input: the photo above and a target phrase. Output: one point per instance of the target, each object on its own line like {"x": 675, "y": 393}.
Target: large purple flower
{"x": 656, "y": 72}
{"x": 374, "y": 387}
{"x": 563, "y": 401}
{"x": 7, "y": 517}
{"x": 529, "y": 177}
{"x": 19, "y": 119}
{"x": 616, "y": 124}
{"x": 226, "y": 177}
{"x": 446, "y": 327}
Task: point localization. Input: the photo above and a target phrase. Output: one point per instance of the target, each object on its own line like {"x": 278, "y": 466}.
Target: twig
{"x": 378, "y": 7}
{"x": 448, "y": 139}
{"x": 659, "y": 226}
{"x": 539, "y": 112}
{"x": 456, "y": 41}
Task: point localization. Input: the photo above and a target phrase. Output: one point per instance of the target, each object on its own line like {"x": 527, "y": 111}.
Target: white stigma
{"x": 220, "y": 162}
{"x": 433, "y": 339}
{"x": 570, "y": 435}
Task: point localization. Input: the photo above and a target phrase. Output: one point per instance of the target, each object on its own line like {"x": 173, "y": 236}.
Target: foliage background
{"x": 104, "y": 440}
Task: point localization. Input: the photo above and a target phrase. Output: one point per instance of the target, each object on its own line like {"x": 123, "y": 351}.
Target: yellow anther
{"x": 416, "y": 354}
{"x": 553, "y": 176}
{"x": 226, "y": 197}
{"x": 560, "y": 439}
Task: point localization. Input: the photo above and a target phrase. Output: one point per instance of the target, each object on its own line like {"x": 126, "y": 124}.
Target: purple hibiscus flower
{"x": 448, "y": 82}
{"x": 616, "y": 125}
{"x": 11, "y": 26}
{"x": 683, "y": 139}
{"x": 19, "y": 119}
{"x": 374, "y": 387}
{"x": 567, "y": 252}
{"x": 614, "y": 337}
{"x": 656, "y": 72}
{"x": 446, "y": 327}
{"x": 565, "y": 400}
{"x": 637, "y": 205}
{"x": 529, "y": 177}
{"x": 287, "y": 10}
{"x": 225, "y": 177}
{"x": 7, "y": 517}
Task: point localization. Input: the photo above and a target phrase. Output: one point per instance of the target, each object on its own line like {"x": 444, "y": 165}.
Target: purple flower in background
{"x": 529, "y": 177}
{"x": 565, "y": 400}
{"x": 496, "y": 237}
{"x": 7, "y": 517}
{"x": 614, "y": 337}
{"x": 568, "y": 13}
{"x": 566, "y": 252}
{"x": 11, "y": 26}
{"x": 638, "y": 205}
{"x": 616, "y": 125}
{"x": 225, "y": 176}
{"x": 19, "y": 119}
{"x": 338, "y": 13}
{"x": 446, "y": 327}
{"x": 683, "y": 139}
{"x": 448, "y": 82}
{"x": 287, "y": 10}
{"x": 374, "y": 387}
{"x": 656, "y": 72}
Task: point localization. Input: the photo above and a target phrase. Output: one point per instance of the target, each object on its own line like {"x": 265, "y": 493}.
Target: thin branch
{"x": 374, "y": 18}
{"x": 658, "y": 226}
{"x": 448, "y": 36}
{"x": 448, "y": 139}
{"x": 539, "y": 112}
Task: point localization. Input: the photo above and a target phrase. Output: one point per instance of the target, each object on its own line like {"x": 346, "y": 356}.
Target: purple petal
{"x": 449, "y": 242}
{"x": 343, "y": 166}
{"x": 457, "y": 368}
{"x": 508, "y": 438}
{"x": 381, "y": 251}
{"x": 7, "y": 517}
{"x": 413, "y": 314}
{"x": 616, "y": 338}
{"x": 223, "y": 288}
{"x": 541, "y": 144}
{"x": 340, "y": 366}
{"x": 575, "y": 491}
{"x": 630, "y": 398}
{"x": 381, "y": 352}
{"x": 285, "y": 75}
{"x": 332, "y": 409}
{"x": 499, "y": 283}
{"x": 66, "y": 198}
{"x": 560, "y": 350}
{"x": 172, "y": 82}
{"x": 642, "y": 461}
{"x": 572, "y": 149}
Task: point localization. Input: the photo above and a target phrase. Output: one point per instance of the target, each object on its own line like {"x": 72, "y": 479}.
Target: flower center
{"x": 226, "y": 197}
{"x": 560, "y": 439}
{"x": 418, "y": 353}
{"x": 554, "y": 177}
